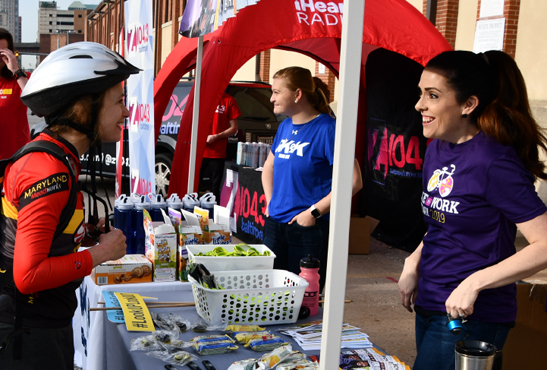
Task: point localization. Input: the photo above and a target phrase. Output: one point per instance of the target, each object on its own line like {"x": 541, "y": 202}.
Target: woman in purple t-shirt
{"x": 478, "y": 188}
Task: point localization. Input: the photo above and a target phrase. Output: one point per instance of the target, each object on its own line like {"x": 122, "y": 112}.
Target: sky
{"x": 28, "y": 10}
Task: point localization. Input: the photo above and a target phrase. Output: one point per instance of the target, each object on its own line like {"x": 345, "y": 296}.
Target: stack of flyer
{"x": 370, "y": 358}
{"x": 308, "y": 336}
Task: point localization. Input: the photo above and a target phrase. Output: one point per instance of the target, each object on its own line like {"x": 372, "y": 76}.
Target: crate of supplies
{"x": 261, "y": 297}
{"x": 228, "y": 263}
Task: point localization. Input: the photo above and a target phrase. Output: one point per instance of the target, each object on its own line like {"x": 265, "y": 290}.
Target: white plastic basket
{"x": 261, "y": 297}
{"x": 217, "y": 263}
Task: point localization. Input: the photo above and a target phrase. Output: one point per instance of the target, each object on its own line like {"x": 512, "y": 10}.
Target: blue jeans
{"x": 435, "y": 343}
{"x": 291, "y": 243}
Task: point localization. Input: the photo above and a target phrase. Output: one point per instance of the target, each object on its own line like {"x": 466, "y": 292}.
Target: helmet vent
{"x": 81, "y": 57}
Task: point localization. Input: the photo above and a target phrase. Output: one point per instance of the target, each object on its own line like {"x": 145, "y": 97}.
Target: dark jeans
{"x": 42, "y": 349}
{"x": 291, "y": 243}
{"x": 435, "y": 343}
{"x": 215, "y": 168}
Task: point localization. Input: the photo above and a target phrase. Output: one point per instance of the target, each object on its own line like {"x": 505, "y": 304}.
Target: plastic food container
{"x": 261, "y": 297}
{"x": 216, "y": 263}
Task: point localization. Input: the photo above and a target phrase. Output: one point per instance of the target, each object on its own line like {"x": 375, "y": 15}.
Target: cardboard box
{"x": 359, "y": 235}
{"x": 527, "y": 341}
{"x": 132, "y": 268}
{"x": 161, "y": 247}
{"x": 217, "y": 232}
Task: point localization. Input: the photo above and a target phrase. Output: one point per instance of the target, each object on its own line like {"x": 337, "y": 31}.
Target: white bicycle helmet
{"x": 75, "y": 70}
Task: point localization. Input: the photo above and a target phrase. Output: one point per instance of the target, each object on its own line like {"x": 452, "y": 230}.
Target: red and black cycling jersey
{"x": 46, "y": 270}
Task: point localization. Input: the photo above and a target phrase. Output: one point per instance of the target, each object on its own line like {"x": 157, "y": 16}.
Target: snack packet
{"x": 214, "y": 348}
{"x": 244, "y": 336}
{"x": 249, "y": 364}
{"x": 236, "y": 328}
{"x": 261, "y": 345}
{"x": 271, "y": 359}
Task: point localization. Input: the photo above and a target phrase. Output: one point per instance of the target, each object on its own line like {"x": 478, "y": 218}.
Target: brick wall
{"x": 511, "y": 12}
{"x": 328, "y": 77}
{"x": 265, "y": 65}
{"x": 447, "y": 19}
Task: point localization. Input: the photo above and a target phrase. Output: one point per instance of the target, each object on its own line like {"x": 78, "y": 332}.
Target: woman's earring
{"x": 295, "y": 101}
{"x": 464, "y": 115}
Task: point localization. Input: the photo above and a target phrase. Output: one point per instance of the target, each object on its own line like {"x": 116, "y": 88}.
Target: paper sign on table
{"x": 110, "y": 300}
{"x": 137, "y": 316}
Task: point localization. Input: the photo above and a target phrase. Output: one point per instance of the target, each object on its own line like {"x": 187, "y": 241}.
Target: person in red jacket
{"x": 14, "y": 122}
{"x": 79, "y": 92}
{"x": 224, "y": 126}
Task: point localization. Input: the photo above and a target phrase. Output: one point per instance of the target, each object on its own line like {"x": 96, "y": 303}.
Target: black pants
{"x": 293, "y": 242}
{"x": 215, "y": 168}
{"x": 42, "y": 349}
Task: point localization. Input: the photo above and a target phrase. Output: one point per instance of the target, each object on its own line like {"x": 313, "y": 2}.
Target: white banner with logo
{"x": 140, "y": 95}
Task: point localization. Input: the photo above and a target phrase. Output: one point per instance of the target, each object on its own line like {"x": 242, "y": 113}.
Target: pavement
{"x": 376, "y": 307}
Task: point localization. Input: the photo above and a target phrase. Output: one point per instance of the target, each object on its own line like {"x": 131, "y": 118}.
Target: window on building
{"x": 79, "y": 16}
{"x": 167, "y": 18}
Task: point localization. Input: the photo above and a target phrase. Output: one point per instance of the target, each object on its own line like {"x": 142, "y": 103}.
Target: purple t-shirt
{"x": 473, "y": 195}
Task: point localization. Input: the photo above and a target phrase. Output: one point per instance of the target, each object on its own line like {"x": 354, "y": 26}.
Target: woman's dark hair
{"x": 80, "y": 112}
{"x": 503, "y": 111}
{"x": 313, "y": 88}
{"x": 5, "y": 35}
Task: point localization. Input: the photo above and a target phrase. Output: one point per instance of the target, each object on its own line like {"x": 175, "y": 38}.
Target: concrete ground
{"x": 376, "y": 307}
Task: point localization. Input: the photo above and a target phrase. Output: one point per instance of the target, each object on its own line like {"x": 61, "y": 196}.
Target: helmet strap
{"x": 95, "y": 137}
{"x": 52, "y": 121}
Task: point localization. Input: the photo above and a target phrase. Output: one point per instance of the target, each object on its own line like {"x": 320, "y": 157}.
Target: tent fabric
{"x": 310, "y": 27}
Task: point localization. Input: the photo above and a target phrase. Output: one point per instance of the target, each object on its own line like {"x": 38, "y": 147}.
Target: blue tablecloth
{"x": 102, "y": 345}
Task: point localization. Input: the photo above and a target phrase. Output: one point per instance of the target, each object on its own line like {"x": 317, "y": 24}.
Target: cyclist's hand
{"x": 111, "y": 247}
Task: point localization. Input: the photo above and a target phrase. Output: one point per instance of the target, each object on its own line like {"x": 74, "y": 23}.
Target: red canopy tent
{"x": 310, "y": 27}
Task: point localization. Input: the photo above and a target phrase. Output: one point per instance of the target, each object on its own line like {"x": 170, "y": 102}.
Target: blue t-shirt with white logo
{"x": 473, "y": 195}
{"x": 302, "y": 166}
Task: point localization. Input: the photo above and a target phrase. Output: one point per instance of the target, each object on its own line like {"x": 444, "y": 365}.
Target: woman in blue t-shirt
{"x": 297, "y": 174}
{"x": 478, "y": 187}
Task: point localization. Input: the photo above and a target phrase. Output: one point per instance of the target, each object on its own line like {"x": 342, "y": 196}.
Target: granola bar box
{"x": 161, "y": 247}
{"x": 132, "y": 268}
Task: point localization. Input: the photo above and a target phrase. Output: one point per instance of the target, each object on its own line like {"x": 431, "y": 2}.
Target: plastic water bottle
{"x": 309, "y": 268}
{"x": 138, "y": 225}
{"x": 156, "y": 206}
{"x": 117, "y": 202}
{"x": 189, "y": 201}
{"x": 254, "y": 158}
{"x": 174, "y": 202}
{"x": 240, "y": 153}
{"x": 208, "y": 201}
{"x": 248, "y": 155}
{"x": 123, "y": 221}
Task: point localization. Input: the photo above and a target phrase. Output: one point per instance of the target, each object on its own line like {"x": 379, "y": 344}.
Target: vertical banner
{"x": 119, "y": 144}
{"x": 140, "y": 95}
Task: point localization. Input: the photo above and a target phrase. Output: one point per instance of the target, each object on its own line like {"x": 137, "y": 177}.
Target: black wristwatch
{"x": 315, "y": 212}
{"x": 19, "y": 73}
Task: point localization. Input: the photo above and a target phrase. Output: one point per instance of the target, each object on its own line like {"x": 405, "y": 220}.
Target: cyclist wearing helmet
{"x": 78, "y": 90}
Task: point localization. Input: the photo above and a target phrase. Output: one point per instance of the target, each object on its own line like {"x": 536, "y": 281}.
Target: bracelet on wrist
{"x": 19, "y": 73}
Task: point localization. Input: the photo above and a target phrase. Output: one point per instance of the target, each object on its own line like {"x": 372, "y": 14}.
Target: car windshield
{"x": 254, "y": 103}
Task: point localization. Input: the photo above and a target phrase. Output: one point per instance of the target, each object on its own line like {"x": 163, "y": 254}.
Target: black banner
{"x": 249, "y": 207}
{"x": 395, "y": 149}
